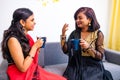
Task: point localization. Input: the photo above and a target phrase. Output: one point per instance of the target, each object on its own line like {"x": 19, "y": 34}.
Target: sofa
{"x": 52, "y": 59}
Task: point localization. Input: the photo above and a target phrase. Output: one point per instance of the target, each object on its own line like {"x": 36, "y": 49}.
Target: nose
{"x": 77, "y": 19}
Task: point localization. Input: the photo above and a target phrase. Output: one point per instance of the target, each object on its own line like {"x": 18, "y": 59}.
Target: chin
{"x": 80, "y": 26}
{"x": 31, "y": 29}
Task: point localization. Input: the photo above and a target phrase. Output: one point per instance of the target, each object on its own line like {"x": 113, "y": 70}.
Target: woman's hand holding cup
{"x": 39, "y": 43}
{"x": 84, "y": 44}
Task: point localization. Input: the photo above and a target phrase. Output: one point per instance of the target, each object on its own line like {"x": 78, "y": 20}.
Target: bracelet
{"x": 63, "y": 37}
{"x": 31, "y": 56}
{"x": 63, "y": 40}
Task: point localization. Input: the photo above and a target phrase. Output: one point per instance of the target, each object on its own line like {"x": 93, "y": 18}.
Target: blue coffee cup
{"x": 44, "y": 41}
{"x": 75, "y": 44}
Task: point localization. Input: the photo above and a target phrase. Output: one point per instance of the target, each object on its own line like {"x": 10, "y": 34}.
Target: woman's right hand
{"x": 38, "y": 43}
{"x": 64, "y": 29}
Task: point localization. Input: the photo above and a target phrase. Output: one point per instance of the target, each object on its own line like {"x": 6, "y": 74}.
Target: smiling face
{"x": 82, "y": 21}
{"x": 29, "y": 24}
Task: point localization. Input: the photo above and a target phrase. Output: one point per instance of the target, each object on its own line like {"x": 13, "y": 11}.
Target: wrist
{"x": 86, "y": 49}
{"x": 34, "y": 47}
{"x": 63, "y": 40}
{"x": 30, "y": 56}
{"x": 63, "y": 37}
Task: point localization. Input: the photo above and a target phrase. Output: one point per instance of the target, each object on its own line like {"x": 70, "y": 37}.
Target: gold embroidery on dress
{"x": 91, "y": 40}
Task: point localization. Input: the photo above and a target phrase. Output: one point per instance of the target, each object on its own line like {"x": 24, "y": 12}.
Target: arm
{"x": 64, "y": 44}
{"x": 63, "y": 38}
{"x": 99, "y": 51}
{"x": 17, "y": 54}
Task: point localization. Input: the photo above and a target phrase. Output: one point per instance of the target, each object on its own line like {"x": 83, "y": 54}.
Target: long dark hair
{"x": 16, "y": 30}
{"x": 89, "y": 14}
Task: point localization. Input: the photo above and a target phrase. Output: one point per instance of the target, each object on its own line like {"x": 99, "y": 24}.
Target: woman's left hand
{"x": 84, "y": 44}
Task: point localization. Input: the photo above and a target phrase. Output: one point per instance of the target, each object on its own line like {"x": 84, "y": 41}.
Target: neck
{"x": 25, "y": 32}
{"x": 85, "y": 29}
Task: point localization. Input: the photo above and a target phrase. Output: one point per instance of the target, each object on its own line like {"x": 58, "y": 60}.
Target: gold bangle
{"x": 31, "y": 56}
{"x": 63, "y": 37}
{"x": 63, "y": 40}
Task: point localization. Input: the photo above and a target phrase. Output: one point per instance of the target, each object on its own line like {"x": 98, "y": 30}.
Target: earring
{"x": 23, "y": 28}
{"x": 89, "y": 24}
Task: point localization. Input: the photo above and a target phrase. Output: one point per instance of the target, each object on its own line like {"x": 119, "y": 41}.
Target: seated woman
{"x": 21, "y": 51}
{"x": 85, "y": 63}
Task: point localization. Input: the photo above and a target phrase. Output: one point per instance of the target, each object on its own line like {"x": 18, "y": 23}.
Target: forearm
{"x": 63, "y": 43}
{"x": 98, "y": 51}
{"x": 95, "y": 53}
{"x": 21, "y": 63}
{"x": 28, "y": 60}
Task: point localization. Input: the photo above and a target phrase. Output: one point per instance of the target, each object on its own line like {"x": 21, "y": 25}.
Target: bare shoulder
{"x": 13, "y": 41}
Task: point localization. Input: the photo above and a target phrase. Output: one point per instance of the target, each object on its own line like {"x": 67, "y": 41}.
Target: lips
{"x": 32, "y": 27}
{"x": 79, "y": 23}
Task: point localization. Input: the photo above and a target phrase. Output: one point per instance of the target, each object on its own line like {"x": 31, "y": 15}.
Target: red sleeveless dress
{"x": 34, "y": 72}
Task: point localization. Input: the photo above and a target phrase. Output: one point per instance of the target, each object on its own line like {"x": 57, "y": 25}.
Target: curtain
{"x": 114, "y": 34}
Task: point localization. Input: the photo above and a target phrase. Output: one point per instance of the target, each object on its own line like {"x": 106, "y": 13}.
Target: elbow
{"x": 22, "y": 69}
{"x": 65, "y": 51}
{"x": 99, "y": 57}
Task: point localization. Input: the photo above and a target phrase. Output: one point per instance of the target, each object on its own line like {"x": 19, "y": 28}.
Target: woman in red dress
{"x": 21, "y": 51}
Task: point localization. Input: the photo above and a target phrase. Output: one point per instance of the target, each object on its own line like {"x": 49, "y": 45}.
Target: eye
{"x": 32, "y": 19}
{"x": 79, "y": 18}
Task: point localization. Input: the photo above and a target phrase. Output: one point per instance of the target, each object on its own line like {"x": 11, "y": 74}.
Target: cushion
{"x": 114, "y": 69}
{"x": 57, "y": 68}
{"x": 3, "y": 67}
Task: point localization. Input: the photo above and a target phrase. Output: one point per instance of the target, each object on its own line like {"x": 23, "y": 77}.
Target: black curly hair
{"x": 16, "y": 30}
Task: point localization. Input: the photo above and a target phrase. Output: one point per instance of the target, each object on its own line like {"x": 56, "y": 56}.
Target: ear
{"x": 22, "y": 22}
